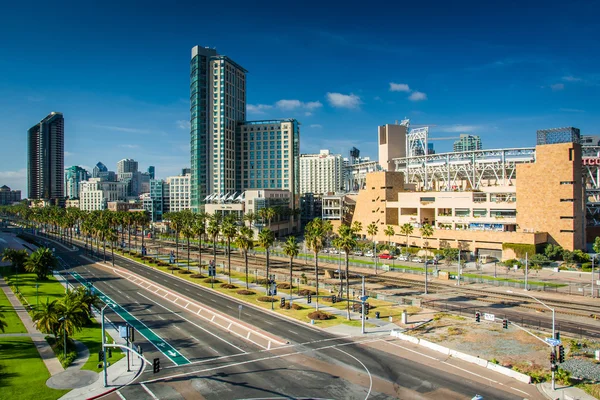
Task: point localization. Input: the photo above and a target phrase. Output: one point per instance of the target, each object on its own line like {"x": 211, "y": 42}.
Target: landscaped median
{"x": 33, "y": 293}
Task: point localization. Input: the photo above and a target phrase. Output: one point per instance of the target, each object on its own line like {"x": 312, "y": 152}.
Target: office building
{"x": 95, "y": 193}
{"x": 186, "y": 171}
{"x": 151, "y": 172}
{"x": 310, "y": 207}
{"x": 46, "y": 158}
{"x": 467, "y": 143}
{"x": 392, "y": 144}
{"x": 73, "y": 177}
{"x": 217, "y": 104}
{"x": 321, "y": 173}
{"x": 590, "y": 140}
{"x": 126, "y": 165}
{"x": 169, "y": 195}
{"x": 8, "y": 197}
{"x": 100, "y": 167}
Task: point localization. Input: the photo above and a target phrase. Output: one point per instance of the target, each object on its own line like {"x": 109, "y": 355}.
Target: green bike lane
{"x": 163, "y": 347}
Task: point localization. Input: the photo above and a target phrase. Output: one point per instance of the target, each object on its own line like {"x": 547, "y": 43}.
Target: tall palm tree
{"x": 389, "y": 232}
{"x": 176, "y": 220}
{"x": 315, "y": 233}
{"x": 347, "y": 243}
{"x": 41, "y": 262}
{"x": 46, "y": 318}
{"x": 266, "y": 238}
{"x": 213, "y": 231}
{"x": 129, "y": 220}
{"x": 143, "y": 220}
{"x": 187, "y": 232}
{"x": 250, "y": 217}
{"x": 291, "y": 249}
{"x": 16, "y": 257}
{"x": 372, "y": 230}
{"x": 199, "y": 229}
{"x": 112, "y": 236}
{"x": 426, "y": 232}
{"x": 73, "y": 313}
{"x": 406, "y": 229}
{"x": 245, "y": 242}
{"x": 356, "y": 227}
{"x": 270, "y": 213}
{"x": 229, "y": 232}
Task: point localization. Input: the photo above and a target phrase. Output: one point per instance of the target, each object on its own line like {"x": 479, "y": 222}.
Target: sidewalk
{"x": 42, "y": 346}
{"x": 564, "y": 392}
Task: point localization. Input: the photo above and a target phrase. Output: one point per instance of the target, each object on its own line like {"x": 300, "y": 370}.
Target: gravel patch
{"x": 582, "y": 368}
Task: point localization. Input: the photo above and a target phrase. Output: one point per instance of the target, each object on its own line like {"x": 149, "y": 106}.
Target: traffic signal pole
{"x": 362, "y": 324}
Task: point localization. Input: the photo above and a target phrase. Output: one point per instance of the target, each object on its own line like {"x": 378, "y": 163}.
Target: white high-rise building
{"x": 177, "y": 193}
{"x": 127, "y": 165}
{"x": 321, "y": 173}
{"x": 96, "y": 193}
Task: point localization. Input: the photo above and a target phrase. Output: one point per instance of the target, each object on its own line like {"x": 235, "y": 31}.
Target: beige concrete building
{"x": 545, "y": 204}
{"x": 392, "y": 144}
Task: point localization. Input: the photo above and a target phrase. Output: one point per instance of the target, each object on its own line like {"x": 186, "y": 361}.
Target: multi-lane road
{"x": 216, "y": 364}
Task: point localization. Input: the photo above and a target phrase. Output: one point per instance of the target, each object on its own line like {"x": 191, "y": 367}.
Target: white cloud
{"x": 308, "y": 113}
{"x": 316, "y": 126}
{"x": 311, "y": 105}
{"x": 288, "y": 104}
{"x": 183, "y": 124}
{"x": 16, "y": 180}
{"x": 129, "y": 146}
{"x": 570, "y": 78}
{"x": 257, "y": 108}
{"x": 557, "y": 86}
{"x": 68, "y": 154}
{"x": 417, "y": 96}
{"x": 340, "y": 100}
{"x": 459, "y": 128}
{"x": 399, "y": 87}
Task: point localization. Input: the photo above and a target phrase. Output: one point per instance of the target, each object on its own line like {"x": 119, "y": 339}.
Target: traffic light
{"x": 367, "y": 306}
{"x": 552, "y": 358}
{"x": 561, "y": 354}
{"x": 309, "y": 299}
{"x": 282, "y": 302}
{"x": 333, "y": 299}
{"x": 477, "y": 316}
{"x": 156, "y": 365}
{"x": 557, "y": 335}
{"x": 100, "y": 356}
{"x": 505, "y": 323}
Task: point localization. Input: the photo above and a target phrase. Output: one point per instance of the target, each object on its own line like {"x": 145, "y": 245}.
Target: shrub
{"x": 173, "y": 268}
{"x": 245, "y": 292}
{"x": 197, "y": 276}
{"x": 185, "y": 272}
{"x": 453, "y": 330}
{"x": 494, "y": 361}
{"x": 212, "y": 280}
{"x": 260, "y": 281}
{"x": 228, "y": 286}
{"x": 305, "y": 292}
{"x": 294, "y": 306}
{"x": 319, "y": 315}
{"x": 283, "y": 286}
{"x": 267, "y": 299}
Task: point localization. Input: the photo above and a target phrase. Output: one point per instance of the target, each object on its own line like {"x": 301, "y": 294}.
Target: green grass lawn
{"x": 23, "y": 374}
{"x": 10, "y": 316}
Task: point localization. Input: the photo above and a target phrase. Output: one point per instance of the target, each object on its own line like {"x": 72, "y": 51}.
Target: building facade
{"x": 8, "y": 197}
{"x": 169, "y": 195}
{"x": 391, "y": 144}
{"x": 311, "y": 207}
{"x": 151, "y": 172}
{"x": 46, "y": 158}
{"x": 217, "y": 104}
{"x": 73, "y": 177}
{"x": 96, "y": 193}
{"x": 126, "y": 165}
{"x": 321, "y": 173}
{"x": 467, "y": 143}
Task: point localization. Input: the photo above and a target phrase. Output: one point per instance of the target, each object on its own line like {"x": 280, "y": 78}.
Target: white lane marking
{"x": 525, "y": 393}
{"x": 195, "y": 338}
{"x": 413, "y": 351}
{"x": 472, "y": 373}
{"x": 149, "y": 392}
{"x": 196, "y": 325}
{"x": 137, "y": 301}
{"x": 160, "y": 317}
{"x": 174, "y": 284}
{"x": 295, "y": 333}
{"x": 176, "y": 327}
{"x": 121, "y": 396}
{"x": 270, "y": 323}
{"x": 213, "y": 300}
{"x": 366, "y": 369}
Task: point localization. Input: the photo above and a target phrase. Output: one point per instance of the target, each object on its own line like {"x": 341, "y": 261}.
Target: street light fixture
{"x": 64, "y": 336}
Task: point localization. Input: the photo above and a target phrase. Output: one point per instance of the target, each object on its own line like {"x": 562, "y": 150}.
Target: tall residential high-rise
{"x": 321, "y": 173}
{"x": 467, "y": 143}
{"x": 217, "y": 104}
{"x": 73, "y": 177}
{"x": 127, "y": 165}
{"x": 151, "y": 171}
{"x": 46, "y": 159}
{"x": 8, "y": 197}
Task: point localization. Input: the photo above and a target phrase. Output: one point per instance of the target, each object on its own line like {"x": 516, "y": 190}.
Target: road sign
{"x": 123, "y": 331}
{"x": 489, "y": 317}
{"x": 240, "y": 307}
{"x": 363, "y": 298}
{"x": 553, "y": 342}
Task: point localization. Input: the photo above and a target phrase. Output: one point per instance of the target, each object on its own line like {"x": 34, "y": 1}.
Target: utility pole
{"x": 526, "y": 272}
{"x": 593, "y": 276}
{"x": 362, "y": 325}
{"x": 426, "y": 275}
{"x": 458, "y": 267}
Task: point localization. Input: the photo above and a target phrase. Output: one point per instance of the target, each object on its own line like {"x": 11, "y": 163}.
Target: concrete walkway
{"x": 563, "y": 392}
{"x": 46, "y": 352}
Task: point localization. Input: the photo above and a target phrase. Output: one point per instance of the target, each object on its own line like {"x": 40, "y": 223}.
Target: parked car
{"x": 417, "y": 259}
{"x": 369, "y": 254}
{"x": 403, "y": 257}
{"x": 333, "y": 251}
{"x": 386, "y": 256}
{"x": 432, "y": 262}
{"x": 358, "y": 253}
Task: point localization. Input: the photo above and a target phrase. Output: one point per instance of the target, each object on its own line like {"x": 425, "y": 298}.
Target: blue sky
{"x": 119, "y": 71}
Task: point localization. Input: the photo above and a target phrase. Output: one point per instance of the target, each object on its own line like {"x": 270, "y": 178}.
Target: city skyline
{"x": 125, "y": 93}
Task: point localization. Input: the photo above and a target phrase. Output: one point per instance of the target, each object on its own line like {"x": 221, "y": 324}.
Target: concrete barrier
{"x": 509, "y": 372}
{"x": 469, "y": 358}
{"x": 408, "y": 338}
{"x": 435, "y": 347}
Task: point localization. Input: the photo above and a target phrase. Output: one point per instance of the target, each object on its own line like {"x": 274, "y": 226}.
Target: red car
{"x": 386, "y": 256}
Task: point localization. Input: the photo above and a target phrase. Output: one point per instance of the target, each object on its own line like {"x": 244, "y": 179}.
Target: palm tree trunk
{"x": 348, "y": 285}
{"x": 317, "y": 278}
{"x": 229, "y": 258}
{"x": 267, "y": 283}
{"x": 104, "y": 250}
{"x": 246, "y": 260}
{"x": 215, "y": 251}
{"x": 177, "y": 246}
{"x": 135, "y": 236}
{"x": 291, "y": 272}
{"x": 143, "y": 236}
{"x": 112, "y": 253}
{"x": 129, "y": 237}
{"x": 341, "y": 292}
{"x": 199, "y": 253}
{"x": 188, "y": 248}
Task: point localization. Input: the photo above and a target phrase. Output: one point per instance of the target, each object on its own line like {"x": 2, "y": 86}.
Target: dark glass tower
{"x": 46, "y": 159}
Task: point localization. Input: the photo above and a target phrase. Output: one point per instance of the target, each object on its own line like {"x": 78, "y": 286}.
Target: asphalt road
{"x": 317, "y": 364}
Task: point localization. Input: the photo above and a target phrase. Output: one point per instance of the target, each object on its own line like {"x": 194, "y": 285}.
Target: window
{"x": 567, "y": 231}
{"x": 567, "y": 200}
{"x": 567, "y": 182}
{"x": 567, "y": 217}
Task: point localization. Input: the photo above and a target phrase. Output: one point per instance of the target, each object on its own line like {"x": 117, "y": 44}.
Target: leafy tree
{"x": 450, "y": 255}
{"x": 553, "y": 252}
{"x": 291, "y": 249}
{"x": 406, "y": 229}
{"x": 580, "y": 256}
{"x": 245, "y": 242}
{"x": 539, "y": 260}
{"x": 597, "y": 244}
{"x": 426, "y": 232}
{"x": 41, "y": 262}
{"x": 266, "y": 238}
{"x": 568, "y": 257}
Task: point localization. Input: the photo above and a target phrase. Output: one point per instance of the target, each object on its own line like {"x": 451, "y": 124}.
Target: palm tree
{"x": 250, "y": 217}
{"x": 88, "y": 299}
{"x": 129, "y": 219}
{"x": 112, "y": 236}
{"x": 143, "y": 220}
{"x": 372, "y": 230}
{"x": 266, "y": 237}
{"x": 245, "y": 242}
{"x": 73, "y": 313}
{"x": 406, "y": 229}
{"x": 356, "y": 227}
{"x": 315, "y": 233}
{"x": 347, "y": 243}
{"x": 389, "y": 232}
{"x": 291, "y": 249}
{"x": 41, "y": 262}
{"x": 426, "y": 232}
{"x": 3, "y": 323}
{"x": 176, "y": 223}
{"x": 16, "y": 257}
{"x": 199, "y": 229}
{"x": 269, "y": 214}
{"x": 187, "y": 232}
{"x": 229, "y": 231}
{"x": 213, "y": 231}
{"x": 46, "y": 318}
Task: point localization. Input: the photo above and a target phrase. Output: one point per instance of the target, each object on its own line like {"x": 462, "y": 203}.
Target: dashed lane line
{"x": 148, "y": 391}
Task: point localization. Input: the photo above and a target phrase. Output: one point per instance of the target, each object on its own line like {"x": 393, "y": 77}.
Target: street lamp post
{"x": 102, "y": 349}
{"x": 64, "y": 336}
{"x": 37, "y": 285}
{"x": 425, "y": 275}
{"x": 458, "y": 282}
